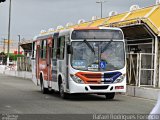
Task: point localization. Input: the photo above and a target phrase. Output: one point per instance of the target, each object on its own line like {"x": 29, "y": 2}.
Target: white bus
{"x": 89, "y": 60}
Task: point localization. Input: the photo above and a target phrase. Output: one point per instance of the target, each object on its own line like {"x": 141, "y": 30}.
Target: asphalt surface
{"x": 20, "y": 96}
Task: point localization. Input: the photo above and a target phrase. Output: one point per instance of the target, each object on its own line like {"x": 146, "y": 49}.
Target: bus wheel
{"x": 43, "y": 89}
{"x": 110, "y": 96}
{"x": 62, "y": 93}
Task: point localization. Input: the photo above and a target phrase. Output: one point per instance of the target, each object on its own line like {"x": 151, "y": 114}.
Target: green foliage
{"x": 14, "y": 57}
{"x": 2, "y": 1}
{"x": 2, "y": 53}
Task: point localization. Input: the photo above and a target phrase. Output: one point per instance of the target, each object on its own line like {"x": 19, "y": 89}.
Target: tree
{"x": 2, "y": 1}
{"x": 3, "y": 57}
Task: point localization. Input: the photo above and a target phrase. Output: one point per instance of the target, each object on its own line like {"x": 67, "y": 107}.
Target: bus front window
{"x": 103, "y": 58}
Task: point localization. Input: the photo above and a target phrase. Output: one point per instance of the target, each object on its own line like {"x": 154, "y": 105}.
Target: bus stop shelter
{"x": 141, "y": 29}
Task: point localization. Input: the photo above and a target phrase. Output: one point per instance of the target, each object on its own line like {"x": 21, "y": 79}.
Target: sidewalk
{"x": 21, "y": 74}
{"x": 143, "y": 92}
{"x": 2, "y": 68}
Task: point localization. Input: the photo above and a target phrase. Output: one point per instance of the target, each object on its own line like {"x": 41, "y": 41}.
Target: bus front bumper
{"x": 96, "y": 88}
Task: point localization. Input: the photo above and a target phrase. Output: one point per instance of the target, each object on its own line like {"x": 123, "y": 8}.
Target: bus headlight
{"x": 76, "y": 79}
{"x": 120, "y": 79}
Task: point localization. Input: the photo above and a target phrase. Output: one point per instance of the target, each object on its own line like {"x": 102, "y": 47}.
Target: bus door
{"x": 37, "y": 61}
{"x": 54, "y": 58}
{"x": 49, "y": 58}
{"x": 33, "y": 60}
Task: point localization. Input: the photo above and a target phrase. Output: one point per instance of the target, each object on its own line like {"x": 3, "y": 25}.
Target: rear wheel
{"x": 110, "y": 96}
{"x": 62, "y": 93}
{"x": 43, "y": 89}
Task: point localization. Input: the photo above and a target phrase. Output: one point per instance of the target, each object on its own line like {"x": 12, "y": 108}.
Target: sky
{"x": 29, "y": 17}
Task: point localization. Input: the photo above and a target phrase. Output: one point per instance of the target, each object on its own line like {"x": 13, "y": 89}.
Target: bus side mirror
{"x": 69, "y": 49}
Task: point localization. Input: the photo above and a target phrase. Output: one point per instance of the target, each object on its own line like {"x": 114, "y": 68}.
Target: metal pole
{"x": 4, "y": 45}
{"x": 152, "y": 62}
{"x": 9, "y": 29}
{"x": 19, "y": 44}
{"x": 101, "y": 9}
{"x": 140, "y": 65}
{"x": 155, "y": 61}
{"x": 101, "y": 2}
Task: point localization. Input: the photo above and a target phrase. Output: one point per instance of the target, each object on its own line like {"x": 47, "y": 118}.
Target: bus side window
{"x": 61, "y": 47}
{"x": 43, "y": 49}
{"x": 58, "y": 48}
{"x": 54, "y": 49}
{"x": 33, "y": 50}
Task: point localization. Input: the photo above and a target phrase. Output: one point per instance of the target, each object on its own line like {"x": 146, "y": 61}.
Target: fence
{"x": 24, "y": 64}
{"x": 140, "y": 69}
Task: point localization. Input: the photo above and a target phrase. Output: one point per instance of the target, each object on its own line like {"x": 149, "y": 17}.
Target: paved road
{"x": 21, "y": 96}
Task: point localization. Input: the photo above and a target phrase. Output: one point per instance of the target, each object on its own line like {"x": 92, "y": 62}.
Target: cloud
{"x": 30, "y": 16}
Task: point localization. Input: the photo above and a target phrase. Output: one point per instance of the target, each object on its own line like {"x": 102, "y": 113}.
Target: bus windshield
{"x": 100, "y": 57}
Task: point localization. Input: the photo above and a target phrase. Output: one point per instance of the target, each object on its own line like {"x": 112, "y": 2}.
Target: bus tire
{"x": 43, "y": 89}
{"x": 110, "y": 96}
{"x": 62, "y": 93}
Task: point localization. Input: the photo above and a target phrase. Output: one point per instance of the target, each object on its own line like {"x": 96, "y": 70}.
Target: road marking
{"x": 47, "y": 97}
{"x": 7, "y": 106}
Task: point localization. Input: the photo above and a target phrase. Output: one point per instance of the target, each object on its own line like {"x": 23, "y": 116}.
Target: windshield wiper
{"x": 106, "y": 46}
{"x": 87, "y": 43}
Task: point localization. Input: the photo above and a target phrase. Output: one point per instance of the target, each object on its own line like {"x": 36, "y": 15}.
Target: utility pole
{"x": 4, "y": 45}
{"x": 19, "y": 39}
{"x": 101, "y": 2}
{"x": 9, "y": 30}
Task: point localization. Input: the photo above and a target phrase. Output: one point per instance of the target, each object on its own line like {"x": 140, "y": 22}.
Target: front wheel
{"x": 110, "y": 96}
{"x": 62, "y": 93}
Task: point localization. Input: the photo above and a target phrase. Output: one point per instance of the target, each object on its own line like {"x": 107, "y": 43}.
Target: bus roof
{"x": 50, "y": 34}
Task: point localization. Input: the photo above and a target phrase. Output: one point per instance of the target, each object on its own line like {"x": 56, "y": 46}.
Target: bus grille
{"x": 95, "y": 76}
{"x": 99, "y": 87}
{"x": 90, "y": 78}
